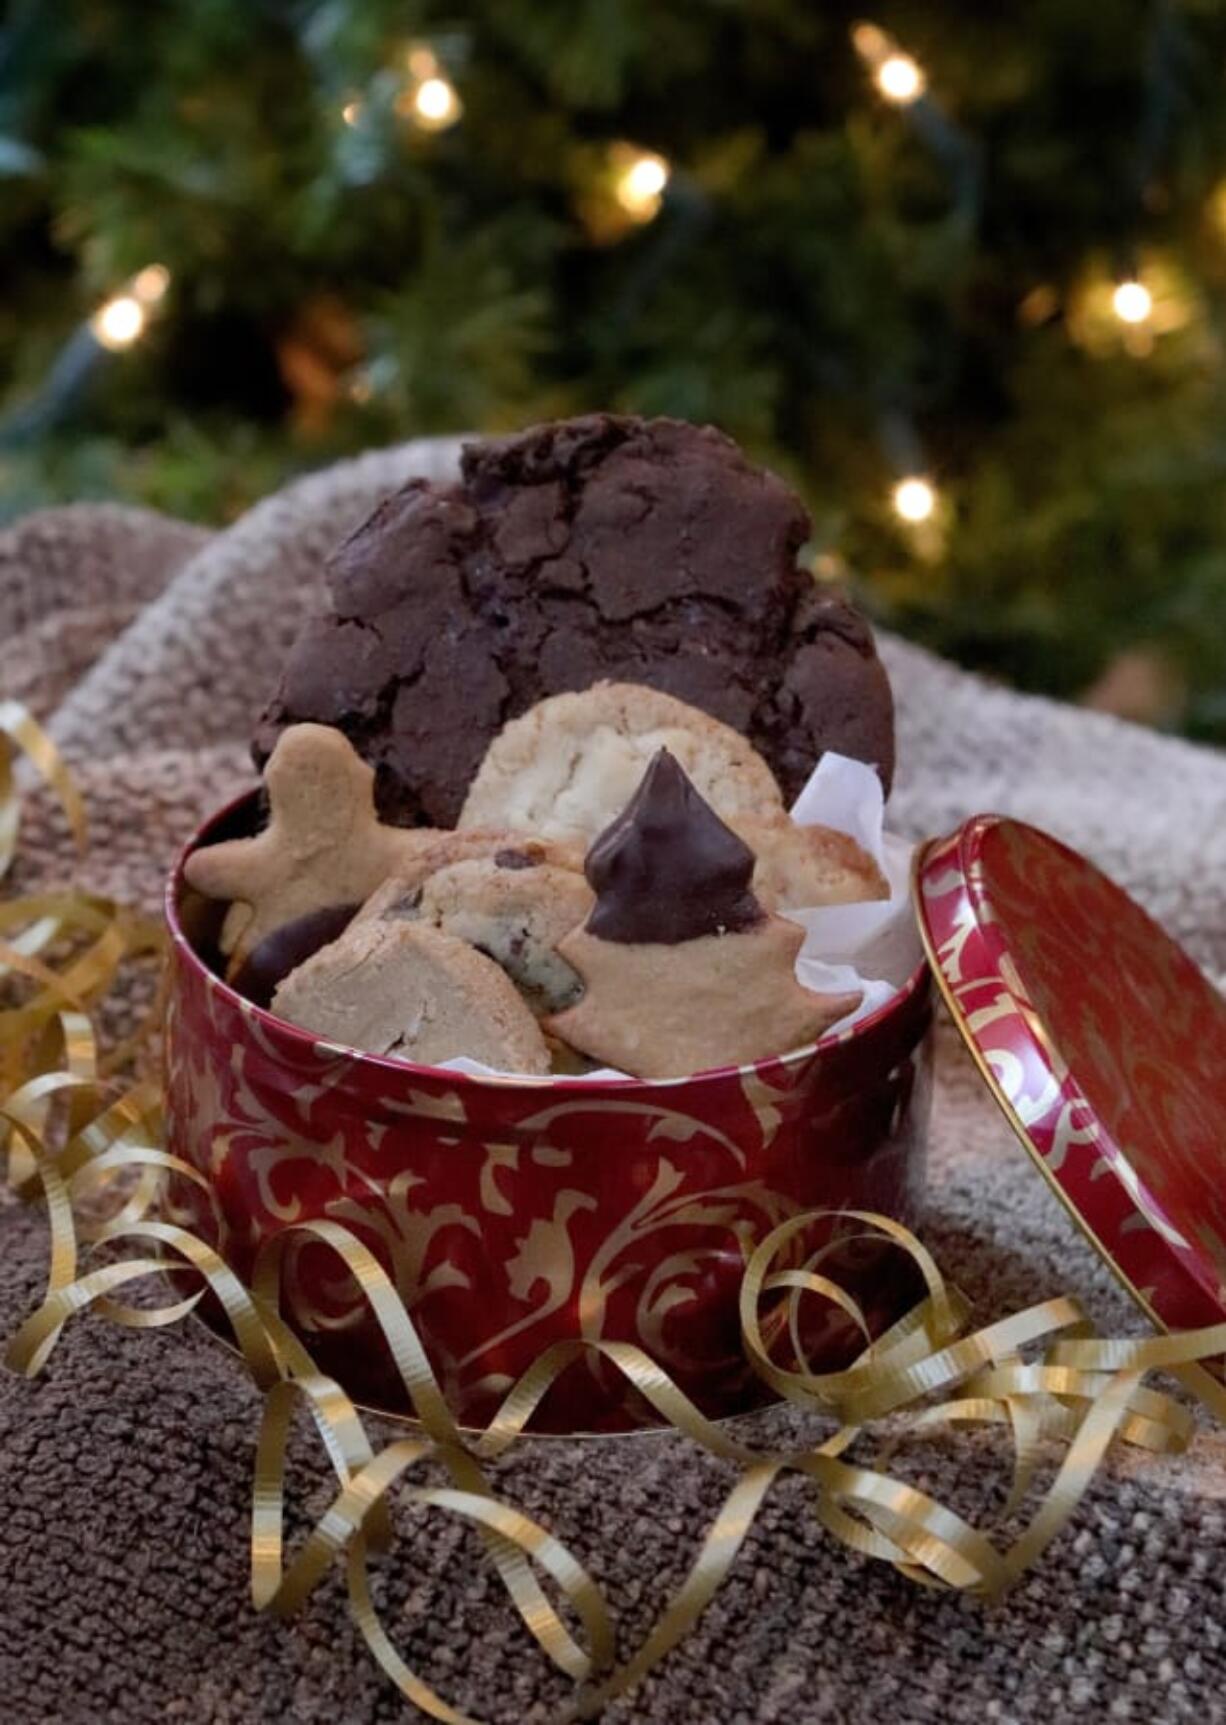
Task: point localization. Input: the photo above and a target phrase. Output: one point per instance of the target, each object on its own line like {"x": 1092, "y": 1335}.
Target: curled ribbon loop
{"x": 19, "y": 730}
{"x": 1042, "y": 1376}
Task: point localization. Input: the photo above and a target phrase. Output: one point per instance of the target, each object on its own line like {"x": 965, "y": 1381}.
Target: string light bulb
{"x": 641, "y": 179}
{"x": 1131, "y": 305}
{"x": 436, "y": 103}
{"x": 432, "y": 104}
{"x": 119, "y": 322}
{"x": 1132, "y": 302}
{"x": 914, "y": 499}
{"x": 351, "y": 113}
{"x": 900, "y": 79}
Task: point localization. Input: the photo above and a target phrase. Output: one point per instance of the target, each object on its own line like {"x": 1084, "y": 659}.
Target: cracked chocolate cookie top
{"x": 646, "y": 551}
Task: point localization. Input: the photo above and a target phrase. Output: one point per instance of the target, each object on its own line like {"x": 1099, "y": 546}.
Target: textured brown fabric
{"x": 124, "y": 1473}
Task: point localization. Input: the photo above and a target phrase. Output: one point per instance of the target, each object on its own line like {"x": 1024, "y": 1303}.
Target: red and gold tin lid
{"x": 1104, "y": 1045}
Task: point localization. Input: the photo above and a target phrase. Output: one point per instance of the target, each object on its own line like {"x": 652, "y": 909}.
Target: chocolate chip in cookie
{"x": 517, "y": 916}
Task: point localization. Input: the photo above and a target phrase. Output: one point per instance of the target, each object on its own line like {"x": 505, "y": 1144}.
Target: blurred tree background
{"x": 959, "y": 271}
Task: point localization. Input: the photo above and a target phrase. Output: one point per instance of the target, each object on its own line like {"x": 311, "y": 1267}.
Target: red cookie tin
{"x": 1103, "y": 1043}
{"x": 514, "y": 1213}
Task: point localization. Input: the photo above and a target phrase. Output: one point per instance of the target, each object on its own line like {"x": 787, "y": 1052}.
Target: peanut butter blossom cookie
{"x": 682, "y": 967}
{"x": 641, "y": 551}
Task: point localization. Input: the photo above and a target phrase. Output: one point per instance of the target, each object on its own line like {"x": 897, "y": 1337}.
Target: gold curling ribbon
{"x": 1041, "y": 1374}
{"x": 20, "y": 730}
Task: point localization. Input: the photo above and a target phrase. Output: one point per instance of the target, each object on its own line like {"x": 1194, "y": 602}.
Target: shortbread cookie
{"x": 682, "y": 968}
{"x": 571, "y": 763}
{"x": 516, "y": 914}
{"x": 409, "y": 990}
{"x": 800, "y": 867}
{"x": 323, "y": 846}
{"x": 721, "y": 1000}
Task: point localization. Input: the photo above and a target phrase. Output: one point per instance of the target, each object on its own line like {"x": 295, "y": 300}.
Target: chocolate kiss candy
{"x": 668, "y": 869}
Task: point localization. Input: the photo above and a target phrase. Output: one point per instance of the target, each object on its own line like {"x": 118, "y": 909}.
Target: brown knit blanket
{"x": 125, "y": 1471}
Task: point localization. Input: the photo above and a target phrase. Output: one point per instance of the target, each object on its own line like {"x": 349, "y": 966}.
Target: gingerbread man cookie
{"x": 683, "y": 968}
{"x": 323, "y": 847}
{"x": 409, "y": 990}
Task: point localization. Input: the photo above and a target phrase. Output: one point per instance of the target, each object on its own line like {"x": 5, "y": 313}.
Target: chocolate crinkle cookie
{"x": 645, "y": 551}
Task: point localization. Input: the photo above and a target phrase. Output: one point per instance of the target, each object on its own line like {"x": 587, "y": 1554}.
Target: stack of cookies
{"x": 526, "y": 771}
{"x": 610, "y": 895}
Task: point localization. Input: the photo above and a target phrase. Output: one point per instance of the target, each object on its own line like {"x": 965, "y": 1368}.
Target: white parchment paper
{"x": 874, "y": 946}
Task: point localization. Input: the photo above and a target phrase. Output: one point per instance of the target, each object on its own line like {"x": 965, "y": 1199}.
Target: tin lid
{"x": 1103, "y": 1044}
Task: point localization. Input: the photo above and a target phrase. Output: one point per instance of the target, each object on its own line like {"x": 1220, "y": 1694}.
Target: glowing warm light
{"x": 150, "y": 284}
{"x": 870, "y": 43}
{"x": 1132, "y": 302}
{"x": 640, "y": 185}
{"x": 351, "y": 113}
{"x": 899, "y": 79}
{"x": 119, "y": 322}
{"x": 422, "y": 63}
{"x": 435, "y": 104}
{"x": 914, "y": 499}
